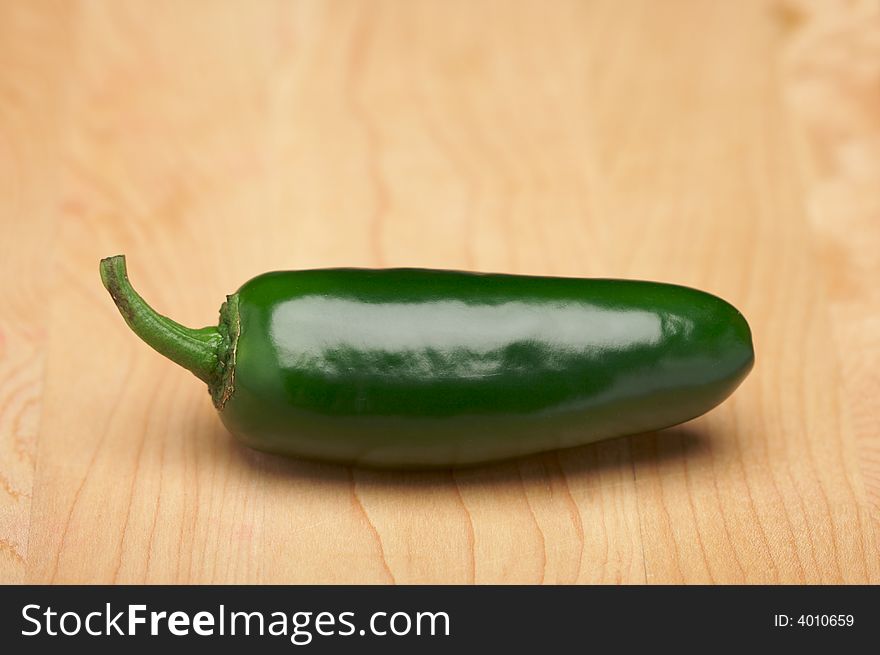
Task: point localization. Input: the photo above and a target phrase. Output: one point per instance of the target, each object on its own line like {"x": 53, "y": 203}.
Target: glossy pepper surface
{"x": 416, "y": 368}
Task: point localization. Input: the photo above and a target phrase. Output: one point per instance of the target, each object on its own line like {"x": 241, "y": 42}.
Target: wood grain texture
{"x": 690, "y": 141}
{"x": 31, "y": 101}
{"x": 832, "y": 72}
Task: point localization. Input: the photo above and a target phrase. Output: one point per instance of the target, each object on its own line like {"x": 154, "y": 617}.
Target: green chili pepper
{"x": 420, "y": 368}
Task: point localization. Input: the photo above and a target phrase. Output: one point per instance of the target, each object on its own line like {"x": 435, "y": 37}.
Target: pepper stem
{"x": 194, "y": 349}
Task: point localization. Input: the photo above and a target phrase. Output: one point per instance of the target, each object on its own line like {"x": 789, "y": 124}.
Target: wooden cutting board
{"x": 731, "y": 146}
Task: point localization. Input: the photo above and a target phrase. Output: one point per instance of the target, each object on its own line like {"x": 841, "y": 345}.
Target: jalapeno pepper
{"x": 415, "y": 368}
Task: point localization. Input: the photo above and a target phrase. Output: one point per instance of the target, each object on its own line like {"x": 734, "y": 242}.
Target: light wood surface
{"x": 731, "y": 146}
